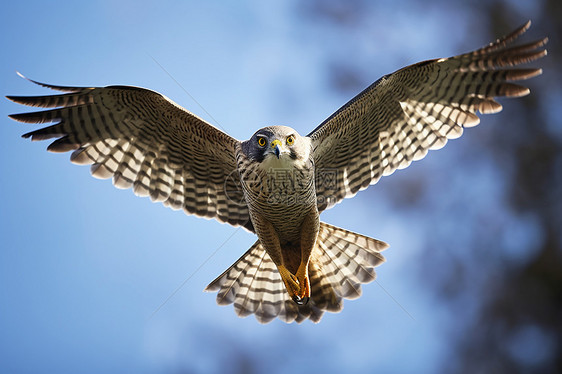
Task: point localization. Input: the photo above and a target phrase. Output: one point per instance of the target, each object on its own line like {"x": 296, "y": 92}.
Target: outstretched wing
{"x": 144, "y": 141}
{"x": 404, "y": 114}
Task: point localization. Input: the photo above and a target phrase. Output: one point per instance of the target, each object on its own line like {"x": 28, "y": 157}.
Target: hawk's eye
{"x": 262, "y": 142}
{"x": 291, "y": 140}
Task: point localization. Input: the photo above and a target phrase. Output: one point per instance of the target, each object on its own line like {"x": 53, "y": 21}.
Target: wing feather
{"x": 401, "y": 116}
{"x": 143, "y": 141}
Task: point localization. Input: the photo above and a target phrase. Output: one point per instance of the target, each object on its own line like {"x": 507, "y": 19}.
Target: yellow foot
{"x": 304, "y": 289}
{"x": 291, "y": 282}
{"x": 297, "y": 287}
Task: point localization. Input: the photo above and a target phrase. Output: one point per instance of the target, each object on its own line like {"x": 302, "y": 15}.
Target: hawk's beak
{"x": 276, "y": 145}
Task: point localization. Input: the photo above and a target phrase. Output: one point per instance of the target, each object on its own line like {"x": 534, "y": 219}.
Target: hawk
{"x": 278, "y": 182}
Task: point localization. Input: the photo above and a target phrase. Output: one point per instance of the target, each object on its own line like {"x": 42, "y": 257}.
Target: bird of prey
{"x": 278, "y": 182}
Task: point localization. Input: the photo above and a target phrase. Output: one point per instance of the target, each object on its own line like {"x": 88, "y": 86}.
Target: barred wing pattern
{"x": 403, "y": 115}
{"x": 340, "y": 263}
{"x": 144, "y": 141}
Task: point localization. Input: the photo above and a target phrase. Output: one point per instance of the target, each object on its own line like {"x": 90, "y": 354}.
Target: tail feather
{"x": 340, "y": 263}
{"x": 348, "y": 259}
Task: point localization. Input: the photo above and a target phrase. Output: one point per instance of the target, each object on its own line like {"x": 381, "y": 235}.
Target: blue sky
{"x": 84, "y": 266}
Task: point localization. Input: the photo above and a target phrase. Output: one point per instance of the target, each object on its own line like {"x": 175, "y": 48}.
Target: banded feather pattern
{"x": 277, "y": 183}
{"x": 340, "y": 263}
{"x": 403, "y": 115}
{"x": 144, "y": 141}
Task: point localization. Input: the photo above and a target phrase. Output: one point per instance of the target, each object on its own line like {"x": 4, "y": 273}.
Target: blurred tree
{"x": 503, "y": 278}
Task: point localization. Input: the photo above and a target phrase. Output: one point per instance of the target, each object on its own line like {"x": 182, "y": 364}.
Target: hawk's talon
{"x": 303, "y": 294}
{"x": 304, "y": 287}
{"x": 300, "y": 301}
{"x": 297, "y": 286}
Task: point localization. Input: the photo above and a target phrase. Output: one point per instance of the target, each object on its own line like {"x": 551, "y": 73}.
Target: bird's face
{"x": 278, "y": 146}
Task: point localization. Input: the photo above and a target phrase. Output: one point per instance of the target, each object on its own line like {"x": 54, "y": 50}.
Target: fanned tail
{"x": 340, "y": 263}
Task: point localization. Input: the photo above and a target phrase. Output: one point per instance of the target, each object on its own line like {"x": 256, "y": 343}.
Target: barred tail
{"x": 341, "y": 261}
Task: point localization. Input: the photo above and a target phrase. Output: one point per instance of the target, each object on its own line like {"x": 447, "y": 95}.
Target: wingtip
{"x": 16, "y": 117}
{"x": 27, "y": 135}
{"x": 28, "y": 79}
{"x": 544, "y": 42}
{"x": 15, "y": 98}
{"x": 51, "y": 86}
{"x": 209, "y": 288}
{"x": 520, "y": 30}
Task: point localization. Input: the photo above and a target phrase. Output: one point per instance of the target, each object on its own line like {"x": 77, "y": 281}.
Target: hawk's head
{"x": 277, "y": 146}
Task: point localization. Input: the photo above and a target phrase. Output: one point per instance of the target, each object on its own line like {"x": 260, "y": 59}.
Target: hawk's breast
{"x": 280, "y": 190}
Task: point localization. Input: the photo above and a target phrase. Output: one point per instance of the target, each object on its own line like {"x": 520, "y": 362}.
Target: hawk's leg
{"x": 270, "y": 241}
{"x": 309, "y": 233}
